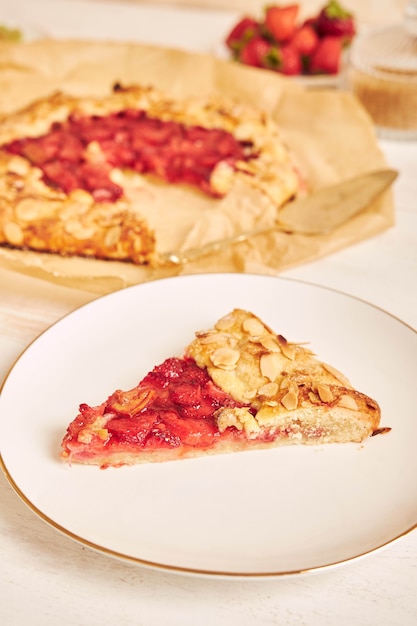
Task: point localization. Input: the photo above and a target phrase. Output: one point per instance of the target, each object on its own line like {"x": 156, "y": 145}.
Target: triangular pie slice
{"x": 239, "y": 386}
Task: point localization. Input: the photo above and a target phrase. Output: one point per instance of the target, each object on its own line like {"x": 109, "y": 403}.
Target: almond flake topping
{"x": 13, "y": 233}
{"x": 270, "y": 344}
{"x": 30, "y": 209}
{"x": 239, "y": 418}
{"x": 268, "y": 390}
{"x": 285, "y": 383}
{"x": 314, "y": 398}
{"x": 225, "y": 358}
{"x": 213, "y": 337}
{"x": 250, "y": 394}
{"x": 290, "y": 400}
{"x": 325, "y": 393}
{"x": 347, "y": 402}
{"x": 18, "y": 165}
{"x": 112, "y": 236}
{"x": 253, "y": 327}
{"x": 78, "y": 231}
{"x": 288, "y": 349}
{"x": 270, "y": 366}
{"x": 225, "y": 323}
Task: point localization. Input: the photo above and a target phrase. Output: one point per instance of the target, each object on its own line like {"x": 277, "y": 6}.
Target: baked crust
{"x": 36, "y": 216}
{"x": 287, "y": 386}
{"x": 244, "y": 388}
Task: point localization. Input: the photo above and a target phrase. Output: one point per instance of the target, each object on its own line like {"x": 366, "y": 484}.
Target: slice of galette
{"x": 239, "y": 386}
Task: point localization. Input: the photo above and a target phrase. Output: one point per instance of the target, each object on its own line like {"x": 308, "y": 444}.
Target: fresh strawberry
{"x": 311, "y": 21}
{"x": 305, "y": 40}
{"x": 333, "y": 19}
{"x": 244, "y": 30}
{"x": 327, "y": 56}
{"x": 280, "y": 21}
{"x": 255, "y": 52}
{"x": 289, "y": 60}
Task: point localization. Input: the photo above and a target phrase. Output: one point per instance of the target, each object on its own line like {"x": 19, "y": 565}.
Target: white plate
{"x": 251, "y": 514}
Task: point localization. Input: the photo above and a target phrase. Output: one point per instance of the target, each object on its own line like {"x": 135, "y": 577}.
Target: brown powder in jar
{"x": 389, "y": 97}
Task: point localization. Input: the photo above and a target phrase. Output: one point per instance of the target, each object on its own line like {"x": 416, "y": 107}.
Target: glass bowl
{"x": 382, "y": 73}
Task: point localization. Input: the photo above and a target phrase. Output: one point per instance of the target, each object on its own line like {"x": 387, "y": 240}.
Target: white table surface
{"x": 47, "y": 579}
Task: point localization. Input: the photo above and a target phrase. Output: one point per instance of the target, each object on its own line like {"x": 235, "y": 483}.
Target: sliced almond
{"x": 285, "y": 383}
{"x": 78, "y": 231}
{"x": 314, "y": 397}
{"x": 18, "y": 165}
{"x": 80, "y": 197}
{"x": 288, "y": 349}
{"x": 253, "y": 327}
{"x": 269, "y": 390}
{"x": 13, "y": 233}
{"x": 290, "y": 400}
{"x": 325, "y": 393}
{"x": 225, "y": 323}
{"x": 31, "y": 209}
{"x": 213, "y": 337}
{"x": 270, "y": 366}
{"x": 225, "y": 358}
{"x": 347, "y": 402}
{"x": 250, "y": 394}
{"x": 112, "y": 236}
{"x": 227, "y": 418}
{"x": 269, "y": 343}
{"x": 240, "y": 418}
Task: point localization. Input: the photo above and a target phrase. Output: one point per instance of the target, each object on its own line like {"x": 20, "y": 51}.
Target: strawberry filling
{"x": 178, "y": 409}
{"x": 127, "y": 139}
{"x": 174, "y": 405}
{"x": 173, "y": 408}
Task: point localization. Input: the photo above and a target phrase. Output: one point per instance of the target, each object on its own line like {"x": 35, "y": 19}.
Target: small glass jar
{"x": 382, "y": 73}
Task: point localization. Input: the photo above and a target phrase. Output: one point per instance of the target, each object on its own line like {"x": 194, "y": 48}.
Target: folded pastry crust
{"x": 39, "y": 216}
{"x": 288, "y": 390}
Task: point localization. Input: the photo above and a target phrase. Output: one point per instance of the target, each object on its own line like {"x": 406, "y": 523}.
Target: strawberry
{"x": 333, "y": 19}
{"x": 289, "y": 60}
{"x": 244, "y": 30}
{"x": 280, "y": 21}
{"x": 255, "y": 52}
{"x": 305, "y": 40}
{"x": 327, "y": 56}
{"x": 311, "y": 21}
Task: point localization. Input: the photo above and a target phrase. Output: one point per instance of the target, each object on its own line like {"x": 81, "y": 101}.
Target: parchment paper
{"x": 329, "y": 133}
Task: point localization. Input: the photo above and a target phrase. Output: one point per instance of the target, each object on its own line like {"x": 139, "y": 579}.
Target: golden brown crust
{"x": 35, "y": 216}
{"x": 271, "y": 172}
{"x": 288, "y": 387}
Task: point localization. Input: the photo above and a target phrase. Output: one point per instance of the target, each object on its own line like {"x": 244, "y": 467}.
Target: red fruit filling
{"x": 174, "y": 405}
{"x": 128, "y": 139}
